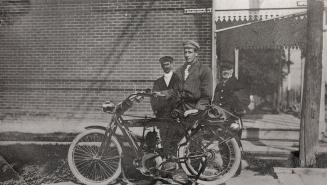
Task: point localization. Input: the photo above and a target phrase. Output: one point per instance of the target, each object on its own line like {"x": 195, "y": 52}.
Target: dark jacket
{"x": 197, "y": 88}
{"x": 231, "y": 95}
{"x": 162, "y": 106}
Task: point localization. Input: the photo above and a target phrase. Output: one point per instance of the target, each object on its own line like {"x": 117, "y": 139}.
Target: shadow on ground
{"x": 264, "y": 166}
{"x": 37, "y": 164}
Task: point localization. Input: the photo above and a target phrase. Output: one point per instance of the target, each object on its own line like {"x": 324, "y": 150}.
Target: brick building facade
{"x": 60, "y": 57}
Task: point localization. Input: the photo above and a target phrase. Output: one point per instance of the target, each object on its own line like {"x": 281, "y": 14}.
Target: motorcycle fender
{"x": 95, "y": 127}
{"x": 238, "y": 140}
{"x": 100, "y": 128}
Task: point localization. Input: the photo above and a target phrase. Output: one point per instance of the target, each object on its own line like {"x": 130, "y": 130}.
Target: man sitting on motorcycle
{"x": 166, "y": 89}
{"x": 194, "y": 90}
{"x": 196, "y": 78}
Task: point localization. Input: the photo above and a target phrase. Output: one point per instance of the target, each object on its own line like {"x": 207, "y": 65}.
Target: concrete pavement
{"x": 302, "y": 176}
{"x": 268, "y": 134}
{"x": 285, "y": 176}
{"x": 256, "y": 127}
{"x": 247, "y": 177}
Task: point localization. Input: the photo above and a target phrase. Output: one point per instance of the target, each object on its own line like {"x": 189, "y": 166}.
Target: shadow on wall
{"x": 10, "y": 11}
{"x": 124, "y": 39}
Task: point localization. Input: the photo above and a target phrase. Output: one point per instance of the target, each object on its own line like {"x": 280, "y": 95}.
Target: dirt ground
{"x": 37, "y": 164}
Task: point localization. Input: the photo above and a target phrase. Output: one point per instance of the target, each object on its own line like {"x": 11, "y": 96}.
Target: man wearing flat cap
{"x": 230, "y": 93}
{"x": 167, "y": 87}
{"x": 196, "y": 78}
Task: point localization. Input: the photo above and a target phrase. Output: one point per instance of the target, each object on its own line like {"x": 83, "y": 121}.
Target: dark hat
{"x": 166, "y": 59}
{"x": 191, "y": 44}
{"x": 226, "y": 65}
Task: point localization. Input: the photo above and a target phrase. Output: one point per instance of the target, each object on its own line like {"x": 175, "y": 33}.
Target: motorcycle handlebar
{"x": 129, "y": 101}
{"x": 145, "y": 93}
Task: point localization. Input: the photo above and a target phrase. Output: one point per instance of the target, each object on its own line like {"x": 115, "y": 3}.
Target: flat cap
{"x": 227, "y": 65}
{"x": 191, "y": 44}
{"x": 166, "y": 59}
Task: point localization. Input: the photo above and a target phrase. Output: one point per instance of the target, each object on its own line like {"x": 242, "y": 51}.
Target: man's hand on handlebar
{"x": 158, "y": 93}
{"x": 150, "y": 93}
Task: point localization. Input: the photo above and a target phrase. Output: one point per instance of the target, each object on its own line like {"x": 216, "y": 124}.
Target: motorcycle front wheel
{"x": 223, "y": 156}
{"x": 87, "y": 165}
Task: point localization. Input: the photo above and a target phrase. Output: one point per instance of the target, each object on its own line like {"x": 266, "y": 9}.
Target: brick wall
{"x": 68, "y": 56}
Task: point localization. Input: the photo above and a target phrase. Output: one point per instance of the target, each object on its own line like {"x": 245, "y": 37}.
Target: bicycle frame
{"x": 118, "y": 122}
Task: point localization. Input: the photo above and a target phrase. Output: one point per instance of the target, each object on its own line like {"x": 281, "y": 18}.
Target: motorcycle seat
{"x": 191, "y": 112}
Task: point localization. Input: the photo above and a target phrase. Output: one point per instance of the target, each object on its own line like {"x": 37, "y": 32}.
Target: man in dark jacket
{"x": 230, "y": 94}
{"x": 196, "y": 78}
{"x": 167, "y": 87}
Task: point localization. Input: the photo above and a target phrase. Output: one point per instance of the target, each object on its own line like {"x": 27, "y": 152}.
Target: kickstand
{"x": 203, "y": 167}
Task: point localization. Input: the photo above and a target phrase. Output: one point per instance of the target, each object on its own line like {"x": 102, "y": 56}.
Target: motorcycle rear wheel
{"x": 223, "y": 156}
{"x": 89, "y": 168}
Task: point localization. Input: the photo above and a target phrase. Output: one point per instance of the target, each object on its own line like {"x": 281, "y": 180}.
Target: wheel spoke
{"x": 218, "y": 148}
{"x": 85, "y": 149}
{"x": 105, "y": 169}
{"x": 103, "y": 172}
{"x": 109, "y": 165}
{"x": 91, "y": 167}
{"x": 82, "y": 154}
{"x": 86, "y": 169}
{"x": 111, "y": 151}
{"x": 80, "y": 163}
{"x": 111, "y": 158}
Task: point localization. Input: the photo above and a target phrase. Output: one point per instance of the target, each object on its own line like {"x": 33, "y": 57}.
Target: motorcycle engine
{"x": 151, "y": 141}
{"x": 151, "y": 159}
{"x": 151, "y": 162}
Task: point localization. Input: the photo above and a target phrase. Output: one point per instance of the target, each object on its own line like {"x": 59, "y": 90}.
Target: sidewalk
{"x": 40, "y": 124}
{"x": 246, "y": 178}
{"x": 263, "y": 134}
{"x": 285, "y": 176}
{"x": 302, "y": 176}
{"x": 249, "y": 177}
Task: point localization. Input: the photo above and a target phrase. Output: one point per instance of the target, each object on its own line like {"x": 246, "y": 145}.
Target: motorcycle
{"x": 209, "y": 150}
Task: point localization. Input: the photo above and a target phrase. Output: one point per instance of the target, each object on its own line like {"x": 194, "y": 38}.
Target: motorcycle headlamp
{"x": 108, "y": 106}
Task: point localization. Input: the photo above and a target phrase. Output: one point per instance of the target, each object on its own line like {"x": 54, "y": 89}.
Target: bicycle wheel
{"x": 89, "y": 168}
{"x": 223, "y": 156}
